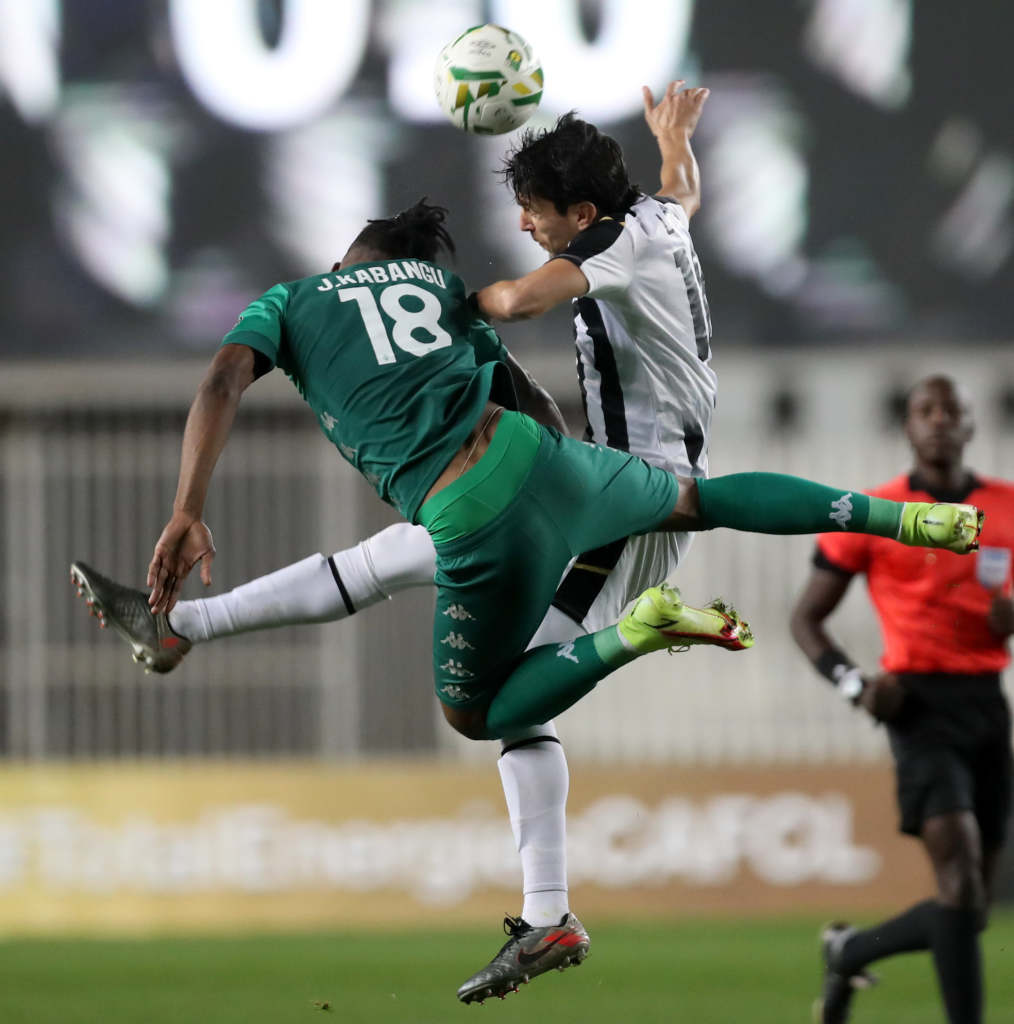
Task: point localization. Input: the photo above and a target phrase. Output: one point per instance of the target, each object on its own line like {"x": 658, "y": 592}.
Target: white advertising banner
{"x": 289, "y": 845}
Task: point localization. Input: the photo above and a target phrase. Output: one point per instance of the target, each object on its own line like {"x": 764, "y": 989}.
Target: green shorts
{"x": 504, "y": 533}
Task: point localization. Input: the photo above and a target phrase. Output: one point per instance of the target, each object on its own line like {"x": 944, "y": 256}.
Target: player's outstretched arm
{"x": 185, "y": 539}
{"x": 534, "y": 294}
{"x": 672, "y": 121}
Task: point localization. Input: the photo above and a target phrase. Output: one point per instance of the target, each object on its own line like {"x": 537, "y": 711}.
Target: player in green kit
{"x": 384, "y": 350}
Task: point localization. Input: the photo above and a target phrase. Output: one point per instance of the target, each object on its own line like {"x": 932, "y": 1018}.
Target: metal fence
{"x": 89, "y": 458}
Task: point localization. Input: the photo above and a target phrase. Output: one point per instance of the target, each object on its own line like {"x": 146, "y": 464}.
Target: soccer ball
{"x": 488, "y": 81}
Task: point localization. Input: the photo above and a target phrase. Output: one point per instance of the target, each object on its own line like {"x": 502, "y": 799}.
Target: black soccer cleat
{"x": 150, "y": 636}
{"x": 528, "y": 953}
{"x": 837, "y": 989}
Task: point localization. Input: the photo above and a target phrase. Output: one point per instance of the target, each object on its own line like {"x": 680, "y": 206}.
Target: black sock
{"x": 955, "y": 944}
{"x": 905, "y": 933}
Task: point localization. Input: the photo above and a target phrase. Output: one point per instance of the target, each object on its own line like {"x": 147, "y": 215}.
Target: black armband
{"x": 262, "y": 364}
{"x": 472, "y": 305}
{"x": 833, "y": 664}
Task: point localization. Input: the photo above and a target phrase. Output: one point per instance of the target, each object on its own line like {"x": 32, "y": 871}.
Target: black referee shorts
{"x": 952, "y": 752}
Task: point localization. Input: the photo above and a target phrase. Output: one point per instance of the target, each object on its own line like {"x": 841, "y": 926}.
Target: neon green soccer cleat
{"x": 941, "y": 525}
{"x": 660, "y": 620}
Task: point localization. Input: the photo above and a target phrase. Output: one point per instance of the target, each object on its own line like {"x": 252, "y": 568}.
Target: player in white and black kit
{"x": 643, "y": 334}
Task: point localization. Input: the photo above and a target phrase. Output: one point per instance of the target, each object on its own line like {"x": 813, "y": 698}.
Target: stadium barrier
{"x": 216, "y": 846}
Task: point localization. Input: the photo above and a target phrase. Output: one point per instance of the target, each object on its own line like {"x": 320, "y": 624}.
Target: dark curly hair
{"x": 415, "y": 233}
{"x": 572, "y": 162}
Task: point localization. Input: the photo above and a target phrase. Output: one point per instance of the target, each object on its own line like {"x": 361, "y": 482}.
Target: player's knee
{"x": 960, "y": 882}
{"x": 686, "y": 513}
{"x": 955, "y": 849}
{"x": 469, "y": 722}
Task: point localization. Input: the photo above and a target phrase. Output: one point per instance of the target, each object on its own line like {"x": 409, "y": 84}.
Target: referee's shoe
{"x": 838, "y": 988}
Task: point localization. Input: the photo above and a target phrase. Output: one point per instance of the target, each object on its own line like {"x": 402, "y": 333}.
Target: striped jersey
{"x": 643, "y": 336}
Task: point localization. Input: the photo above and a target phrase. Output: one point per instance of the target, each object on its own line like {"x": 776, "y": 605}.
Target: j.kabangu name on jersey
{"x": 377, "y": 273}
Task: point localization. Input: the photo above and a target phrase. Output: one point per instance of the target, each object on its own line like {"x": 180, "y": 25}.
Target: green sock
{"x": 776, "y": 503}
{"x": 549, "y": 679}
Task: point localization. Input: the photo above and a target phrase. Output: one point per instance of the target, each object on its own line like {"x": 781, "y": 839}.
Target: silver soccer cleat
{"x": 528, "y": 953}
{"x": 150, "y": 636}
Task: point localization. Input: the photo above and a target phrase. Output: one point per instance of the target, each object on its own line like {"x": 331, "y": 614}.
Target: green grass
{"x": 704, "y": 972}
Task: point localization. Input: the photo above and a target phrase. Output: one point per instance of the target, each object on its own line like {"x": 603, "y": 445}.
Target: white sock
{"x": 535, "y": 784}
{"x": 401, "y": 556}
{"x": 317, "y": 589}
{"x": 535, "y": 781}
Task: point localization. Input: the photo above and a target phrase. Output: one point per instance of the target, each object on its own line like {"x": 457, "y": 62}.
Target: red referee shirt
{"x": 932, "y": 610}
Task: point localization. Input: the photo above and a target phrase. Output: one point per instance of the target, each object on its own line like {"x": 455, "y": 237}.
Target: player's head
{"x": 416, "y": 233}
{"x": 565, "y": 178}
{"x": 938, "y": 421}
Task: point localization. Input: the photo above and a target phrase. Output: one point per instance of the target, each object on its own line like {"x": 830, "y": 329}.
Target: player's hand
{"x": 185, "y": 541}
{"x": 678, "y": 110}
{"x": 883, "y": 697}
{"x": 1000, "y": 616}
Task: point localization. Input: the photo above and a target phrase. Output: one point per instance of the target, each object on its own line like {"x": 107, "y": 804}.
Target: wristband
{"x": 833, "y": 664}
{"x": 851, "y": 685}
{"x": 847, "y": 679}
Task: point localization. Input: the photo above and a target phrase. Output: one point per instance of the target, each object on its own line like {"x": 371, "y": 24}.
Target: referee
{"x": 945, "y": 622}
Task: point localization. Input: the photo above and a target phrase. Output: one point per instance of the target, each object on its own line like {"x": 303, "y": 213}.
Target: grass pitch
{"x": 701, "y": 972}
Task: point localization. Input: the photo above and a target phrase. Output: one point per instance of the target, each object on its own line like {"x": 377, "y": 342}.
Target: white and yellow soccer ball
{"x": 488, "y": 80}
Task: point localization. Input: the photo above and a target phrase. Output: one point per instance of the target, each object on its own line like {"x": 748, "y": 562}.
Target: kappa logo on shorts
{"x": 328, "y": 421}
{"x": 842, "y": 514}
{"x": 567, "y": 651}
{"x": 455, "y": 668}
{"x": 454, "y": 691}
{"x": 459, "y": 613}
{"x": 457, "y": 641}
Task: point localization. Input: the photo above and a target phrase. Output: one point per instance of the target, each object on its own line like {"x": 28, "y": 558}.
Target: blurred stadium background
{"x": 163, "y": 163}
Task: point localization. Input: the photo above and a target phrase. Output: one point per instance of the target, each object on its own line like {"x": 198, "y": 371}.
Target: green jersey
{"x": 391, "y": 359}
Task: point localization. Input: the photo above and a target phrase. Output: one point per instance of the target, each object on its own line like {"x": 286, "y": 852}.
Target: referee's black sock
{"x": 910, "y": 931}
{"x": 955, "y": 944}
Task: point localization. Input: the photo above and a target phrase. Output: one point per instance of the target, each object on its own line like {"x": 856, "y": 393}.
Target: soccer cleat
{"x": 660, "y": 620}
{"x": 528, "y": 953}
{"x": 941, "y": 525}
{"x": 152, "y": 639}
{"x": 835, "y": 1001}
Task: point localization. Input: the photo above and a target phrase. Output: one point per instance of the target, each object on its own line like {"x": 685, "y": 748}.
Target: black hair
{"x": 415, "y": 233}
{"x": 572, "y": 162}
